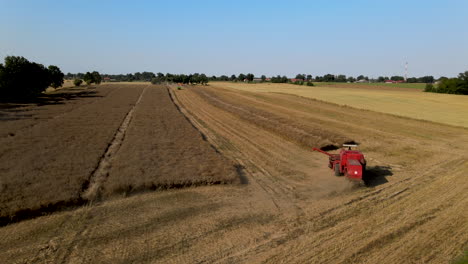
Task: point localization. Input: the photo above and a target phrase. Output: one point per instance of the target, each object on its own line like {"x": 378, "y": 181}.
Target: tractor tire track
{"x": 97, "y": 179}
{"x": 100, "y": 174}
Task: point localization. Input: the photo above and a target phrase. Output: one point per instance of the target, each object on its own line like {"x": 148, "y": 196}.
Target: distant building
{"x": 297, "y": 80}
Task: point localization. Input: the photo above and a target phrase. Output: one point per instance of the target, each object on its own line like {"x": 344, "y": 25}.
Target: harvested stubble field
{"x": 413, "y": 103}
{"x": 306, "y": 134}
{"x": 391, "y": 86}
{"x": 290, "y": 209}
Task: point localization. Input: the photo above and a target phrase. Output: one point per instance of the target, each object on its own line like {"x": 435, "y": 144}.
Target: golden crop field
{"x": 442, "y": 108}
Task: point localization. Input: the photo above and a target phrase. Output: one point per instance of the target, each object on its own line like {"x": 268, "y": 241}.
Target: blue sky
{"x": 229, "y": 37}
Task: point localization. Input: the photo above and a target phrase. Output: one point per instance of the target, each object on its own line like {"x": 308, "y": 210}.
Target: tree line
{"x": 197, "y": 78}
{"x": 158, "y": 78}
{"x": 138, "y": 76}
{"x": 20, "y": 78}
{"x": 325, "y": 78}
{"x": 344, "y": 78}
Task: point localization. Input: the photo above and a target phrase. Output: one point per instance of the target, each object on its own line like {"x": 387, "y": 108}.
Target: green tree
{"x": 20, "y": 78}
{"x": 56, "y": 76}
{"x": 463, "y": 77}
{"x": 341, "y": 78}
{"x": 429, "y": 87}
{"x": 241, "y": 77}
{"x": 451, "y": 85}
{"x": 2, "y": 70}
{"x": 137, "y": 76}
{"x": 397, "y": 78}
{"x": 279, "y": 79}
{"x": 147, "y": 76}
{"x": 309, "y": 77}
{"x": 77, "y": 82}
{"x": 300, "y": 76}
{"x": 129, "y": 78}
{"x": 263, "y": 78}
{"x": 249, "y": 77}
{"x": 88, "y": 78}
{"x": 204, "y": 79}
{"x": 427, "y": 79}
{"x": 328, "y": 78}
{"x": 96, "y": 77}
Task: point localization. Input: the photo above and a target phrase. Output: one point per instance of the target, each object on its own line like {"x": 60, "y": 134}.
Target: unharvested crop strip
{"x": 100, "y": 174}
{"x": 173, "y": 156}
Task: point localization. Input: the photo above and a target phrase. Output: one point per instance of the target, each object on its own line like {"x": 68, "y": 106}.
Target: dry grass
{"x": 442, "y": 108}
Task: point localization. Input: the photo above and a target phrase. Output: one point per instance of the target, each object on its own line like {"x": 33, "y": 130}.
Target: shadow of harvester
{"x": 376, "y": 175}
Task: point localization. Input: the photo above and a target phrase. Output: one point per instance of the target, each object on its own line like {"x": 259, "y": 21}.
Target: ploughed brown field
{"x": 283, "y": 203}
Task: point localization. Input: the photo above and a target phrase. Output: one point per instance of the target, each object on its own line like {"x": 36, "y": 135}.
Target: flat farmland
{"x": 54, "y": 160}
{"x": 406, "y": 102}
{"x": 47, "y": 164}
{"x": 288, "y": 206}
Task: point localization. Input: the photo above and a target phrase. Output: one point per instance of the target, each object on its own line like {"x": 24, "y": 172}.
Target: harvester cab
{"x": 348, "y": 162}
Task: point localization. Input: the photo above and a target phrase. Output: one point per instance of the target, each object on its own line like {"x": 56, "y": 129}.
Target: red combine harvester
{"x": 350, "y": 163}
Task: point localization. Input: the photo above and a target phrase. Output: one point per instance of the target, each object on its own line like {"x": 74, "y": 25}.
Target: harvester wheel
{"x": 337, "y": 169}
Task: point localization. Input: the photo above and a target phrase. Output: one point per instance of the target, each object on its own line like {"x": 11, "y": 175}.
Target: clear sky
{"x": 351, "y": 37}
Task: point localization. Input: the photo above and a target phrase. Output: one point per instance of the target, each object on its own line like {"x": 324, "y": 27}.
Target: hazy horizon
{"x": 224, "y": 38}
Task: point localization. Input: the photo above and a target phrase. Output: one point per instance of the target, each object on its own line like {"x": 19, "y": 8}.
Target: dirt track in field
{"x": 163, "y": 150}
{"x": 289, "y": 208}
{"x": 47, "y": 163}
{"x": 64, "y": 157}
